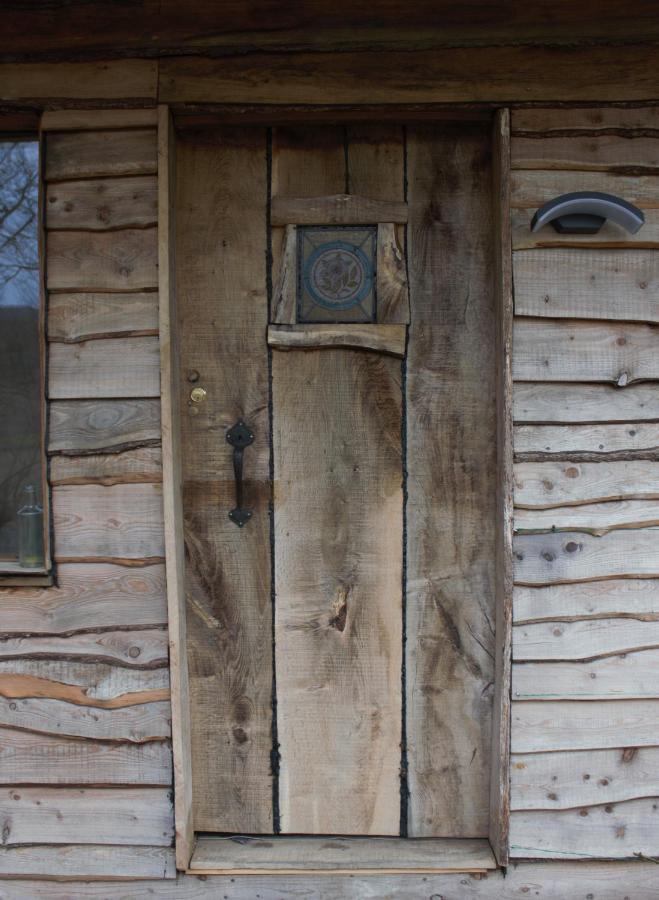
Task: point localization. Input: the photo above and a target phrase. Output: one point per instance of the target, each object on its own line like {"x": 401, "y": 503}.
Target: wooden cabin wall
{"x": 84, "y": 682}
{"x": 585, "y": 687}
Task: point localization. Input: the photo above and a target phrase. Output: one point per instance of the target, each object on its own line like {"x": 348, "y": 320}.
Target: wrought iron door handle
{"x": 239, "y": 436}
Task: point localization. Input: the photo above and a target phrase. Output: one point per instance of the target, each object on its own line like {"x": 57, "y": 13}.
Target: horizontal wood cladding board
{"x": 78, "y": 317}
{"x": 597, "y": 153}
{"x": 92, "y": 426}
{"x": 627, "y": 676}
{"x": 111, "y": 80}
{"x": 620, "y": 830}
{"x": 27, "y": 758}
{"x": 419, "y": 76}
{"x": 53, "y": 815}
{"x": 102, "y": 204}
{"x": 87, "y": 595}
{"x": 588, "y": 284}
{"x": 574, "y": 556}
{"x": 381, "y": 338}
{"x": 136, "y": 724}
{"x": 594, "y": 118}
{"x": 542, "y": 725}
{"x": 551, "y": 483}
{"x": 571, "y": 403}
{"x": 81, "y": 119}
{"x": 113, "y": 367}
{"x": 337, "y": 209}
{"x": 594, "y": 518}
{"x": 583, "y": 777}
{"x": 634, "y": 437}
{"x": 80, "y": 861}
{"x": 533, "y": 188}
{"x": 93, "y": 154}
{"x": 88, "y": 683}
{"x": 635, "y": 598}
{"x": 374, "y": 854}
{"x": 610, "y": 236}
{"x": 552, "y": 880}
{"x": 564, "y": 350}
{"x": 583, "y": 640}
{"x": 124, "y": 260}
{"x": 142, "y": 647}
{"x": 131, "y": 466}
{"x": 99, "y": 522}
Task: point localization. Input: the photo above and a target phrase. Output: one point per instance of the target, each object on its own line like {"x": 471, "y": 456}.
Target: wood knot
{"x": 340, "y": 609}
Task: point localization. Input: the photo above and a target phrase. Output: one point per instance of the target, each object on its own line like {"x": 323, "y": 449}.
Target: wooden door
{"x": 340, "y": 642}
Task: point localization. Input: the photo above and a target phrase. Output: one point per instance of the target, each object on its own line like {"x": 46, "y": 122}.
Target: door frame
{"x": 172, "y": 495}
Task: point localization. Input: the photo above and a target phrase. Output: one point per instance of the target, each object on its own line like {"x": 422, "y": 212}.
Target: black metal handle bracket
{"x": 239, "y": 436}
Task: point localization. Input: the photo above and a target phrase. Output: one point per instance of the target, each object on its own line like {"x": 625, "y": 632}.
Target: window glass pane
{"x": 20, "y": 379}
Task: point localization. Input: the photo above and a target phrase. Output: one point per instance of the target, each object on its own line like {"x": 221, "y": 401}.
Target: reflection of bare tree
{"x": 20, "y": 413}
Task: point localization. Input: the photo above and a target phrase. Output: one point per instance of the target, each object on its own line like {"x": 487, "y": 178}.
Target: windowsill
{"x": 239, "y": 855}
{"x": 14, "y": 574}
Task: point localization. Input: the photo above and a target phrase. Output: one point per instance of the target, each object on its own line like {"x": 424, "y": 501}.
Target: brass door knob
{"x": 198, "y": 395}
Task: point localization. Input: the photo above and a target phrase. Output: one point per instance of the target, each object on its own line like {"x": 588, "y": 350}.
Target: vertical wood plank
{"x": 338, "y": 547}
{"x": 500, "y": 776}
{"x": 451, "y": 458}
{"x": 171, "y": 489}
{"x": 221, "y": 286}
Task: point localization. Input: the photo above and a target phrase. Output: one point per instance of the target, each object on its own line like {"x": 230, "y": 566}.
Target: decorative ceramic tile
{"x": 336, "y": 273}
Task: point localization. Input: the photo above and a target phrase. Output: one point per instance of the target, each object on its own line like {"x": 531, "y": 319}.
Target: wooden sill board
{"x": 238, "y": 855}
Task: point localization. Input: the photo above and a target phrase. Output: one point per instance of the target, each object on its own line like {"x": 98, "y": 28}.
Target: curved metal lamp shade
{"x": 584, "y": 212}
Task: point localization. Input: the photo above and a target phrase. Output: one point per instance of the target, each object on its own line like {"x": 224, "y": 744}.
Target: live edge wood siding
{"x": 85, "y": 752}
{"x": 585, "y": 684}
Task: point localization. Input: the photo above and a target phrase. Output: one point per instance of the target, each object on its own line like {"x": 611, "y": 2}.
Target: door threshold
{"x": 238, "y": 855}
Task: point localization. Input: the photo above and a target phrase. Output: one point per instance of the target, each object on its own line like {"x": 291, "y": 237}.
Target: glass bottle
{"x": 30, "y": 531}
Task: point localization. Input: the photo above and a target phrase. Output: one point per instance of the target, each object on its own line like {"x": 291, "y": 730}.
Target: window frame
{"x": 23, "y": 128}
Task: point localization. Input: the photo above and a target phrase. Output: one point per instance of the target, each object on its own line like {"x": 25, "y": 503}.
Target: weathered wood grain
{"x": 587, "y": 284}
{"x": 124, "y": 260}
{"x": 532, "y": 189}
{"x": 415, "y": 76}
{"x": 567, "y": 403}
{"x": 76, "y": 815}
{"x": 636, "y": 598}
{"x": 143, "y": 647}
{"x": 96, "y": 681}
{"x": 222, "y": 194}
{"x": 583, "y": 640}
{"x": 338, "y": 209}
{"x": 338, "y": 621}
{"x": 584, "y": 777}
{"x": 87, "y": 596}
{"x": 93, "y": 154}
{"x": 624, "y": 154}
{"x": 543, "y": 485}
{"x": 376, "y": 855}
{"x": 123, "y": 521}
{"x": 451, "y": 462}
{"x": 564, "y": 350}
{"x": 123, "y": 79}
{"x": 113, "y": 367}
{"x": 619, "y": 830}
{"x": 79, "y": 317}
{"x": 136, "y": 724}
{"x": 95, "y": 119}
{"x": 93, "y": 426}
{"x": 594, "y": 518}
{"x": 284, "y": 269}
{"x": 141, "y": 465}
{"x": 27, "y": 758}
{"x": 389, "y": 339}
{"x": 102, "y": 204}
{"x": 393, "y": 296}
{"x": 84, "y": 861}
{"x": 599, "y": 440}
{"x": 538, "y": 726}
{"x": 610, "y": 236}
{"x": 627, "y": 676}
{"x": 575, "y": 556}
{"x": 595, "y": 118}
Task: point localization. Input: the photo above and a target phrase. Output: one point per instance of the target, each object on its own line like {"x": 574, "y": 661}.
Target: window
{"x": 22, "y": 542}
